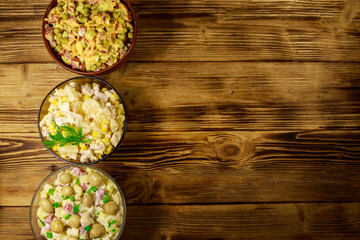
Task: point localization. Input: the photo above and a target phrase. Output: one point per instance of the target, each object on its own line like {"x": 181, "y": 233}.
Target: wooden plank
{"x": 250, "y": 221}
{"x": 185, "y": 97}
{"x": 205, "y": 167}
{"x": 214, "y": 31}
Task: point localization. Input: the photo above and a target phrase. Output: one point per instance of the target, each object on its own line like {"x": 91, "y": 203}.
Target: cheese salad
{"x": 89, "y": 35}
{"x": 83, "y": 122}
{"x": 80, "y": 204}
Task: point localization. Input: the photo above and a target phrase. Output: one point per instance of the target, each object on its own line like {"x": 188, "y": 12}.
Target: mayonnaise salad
{"x": 80, "y": 204}
{"x": 89, "y": 35}
{"x": 83, "y": 122}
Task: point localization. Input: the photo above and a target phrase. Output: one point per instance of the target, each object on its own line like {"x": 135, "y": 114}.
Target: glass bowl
{"x": 51, "y": 178}
{"x": 110, "y": 69}
{"x": 80, "y": 81}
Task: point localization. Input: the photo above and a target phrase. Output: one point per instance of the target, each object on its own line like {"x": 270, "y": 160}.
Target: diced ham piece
{"x": 82, "y": 31}
{"x": 82, "y": 230}
{"x": 84, "y": 187}
{"x": 53, "y": 19}
{"x": 93, "y": 2}
{"x": 78, "y": 172}
{"x": 50, "y": 218}
{"x": 47, "y": 227}
{"x": 69, "y": 208}
{"x": 49, "y": 33}
{"x": 99, "y": 195}
{"x": 75, "y": 63}
{"x": 82, "y": 67}
{"x": 52, "y": 44}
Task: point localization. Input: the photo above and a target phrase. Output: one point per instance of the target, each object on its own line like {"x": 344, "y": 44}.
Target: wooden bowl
{"x": 118, "y": 64}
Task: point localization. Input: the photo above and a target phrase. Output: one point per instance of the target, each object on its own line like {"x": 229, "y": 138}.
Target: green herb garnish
{"x": 111, "y": 223}
{"x": 96, "y": 213}
{"x": 88, "y": 191}
{"x": 94, "y": 189}
{"x": 49, "y": 235}
{"x": 68, "y": 216}
{"x": 69, "y": 197}
{"x": 106, "y": 198}
{"x": 56, "y": 204}
{"x": 51, "y": 191}
{"x": 76, "y": 208}
{"x": 77, "y": 181}
{"x": 73, "y": 136}
{"x": 42, "y": 223}
{"x": 87, "y": 228}
{"x": 113, "y": 230}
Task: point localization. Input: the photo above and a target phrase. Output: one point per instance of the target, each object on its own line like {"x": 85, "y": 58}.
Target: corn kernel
{"x": 64, "y": 99}
{"x": 55, "y": 148}
{"x": 104, "y": 126}
{"x": 65, "y": 133}
{"x": 58, "y": 113}
{"x": 60, "y": 90}
{"x": 104, "y": 89}
{"x": 109, "y": 149}
{"x": 86, "y": 97}
{"x": 115, "y": 96}
{"x": 95, "y": 134}
{"x": 82, "y": 146}
{"x": 106, "y": 140}
{"x": 88, "y": 84}
{"x": 95, "y": 84}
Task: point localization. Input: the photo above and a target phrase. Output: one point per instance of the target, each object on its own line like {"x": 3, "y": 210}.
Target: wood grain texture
{"x": 203, "y": 96}
{"x": 225, "y": 222}
{"x": 205, "y": 167}
{"x": 211, "y": 31}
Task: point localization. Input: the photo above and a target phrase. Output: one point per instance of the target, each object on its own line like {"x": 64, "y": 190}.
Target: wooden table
{"x": 244, "y": 119}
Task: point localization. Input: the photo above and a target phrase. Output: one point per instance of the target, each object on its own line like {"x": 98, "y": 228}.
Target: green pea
{"x": 106, "y": 43}
{"x": 58, "y": 36}
{"x": 109, "y": 28}
{"x": 122, "y": 21}
{"x": 119, "y": 42}
{"x": 57, "y": 30}
{"x": 130, "y": 35}
{"x": 112, "y": 50}
{"x": 116, "y": 14}
{"x": 103, "y": 60}
{"x": 65, "y": 16}
{"x": 61, "y": 3}
{"x": 98, "y": 63}
{"x": 58, "y": 48}
{"x": 121, "y": 36}
{"x": 100, "y": 27}
{"x": 64, "y": 40}
{"x": 58, "y": 42}
{"x": 60, "y": 9}
{"x": 124, "y": 30}
{"x": 93, "y": 68}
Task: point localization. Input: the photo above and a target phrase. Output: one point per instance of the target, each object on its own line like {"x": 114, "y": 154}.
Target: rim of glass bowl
{"x": 80, "y": 166}
{"x": 64, "y": 83}
{"x": 110, "y": 69}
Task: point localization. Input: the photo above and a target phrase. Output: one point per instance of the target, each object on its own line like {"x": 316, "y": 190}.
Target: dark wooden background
{"x": 244, "y": 119}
